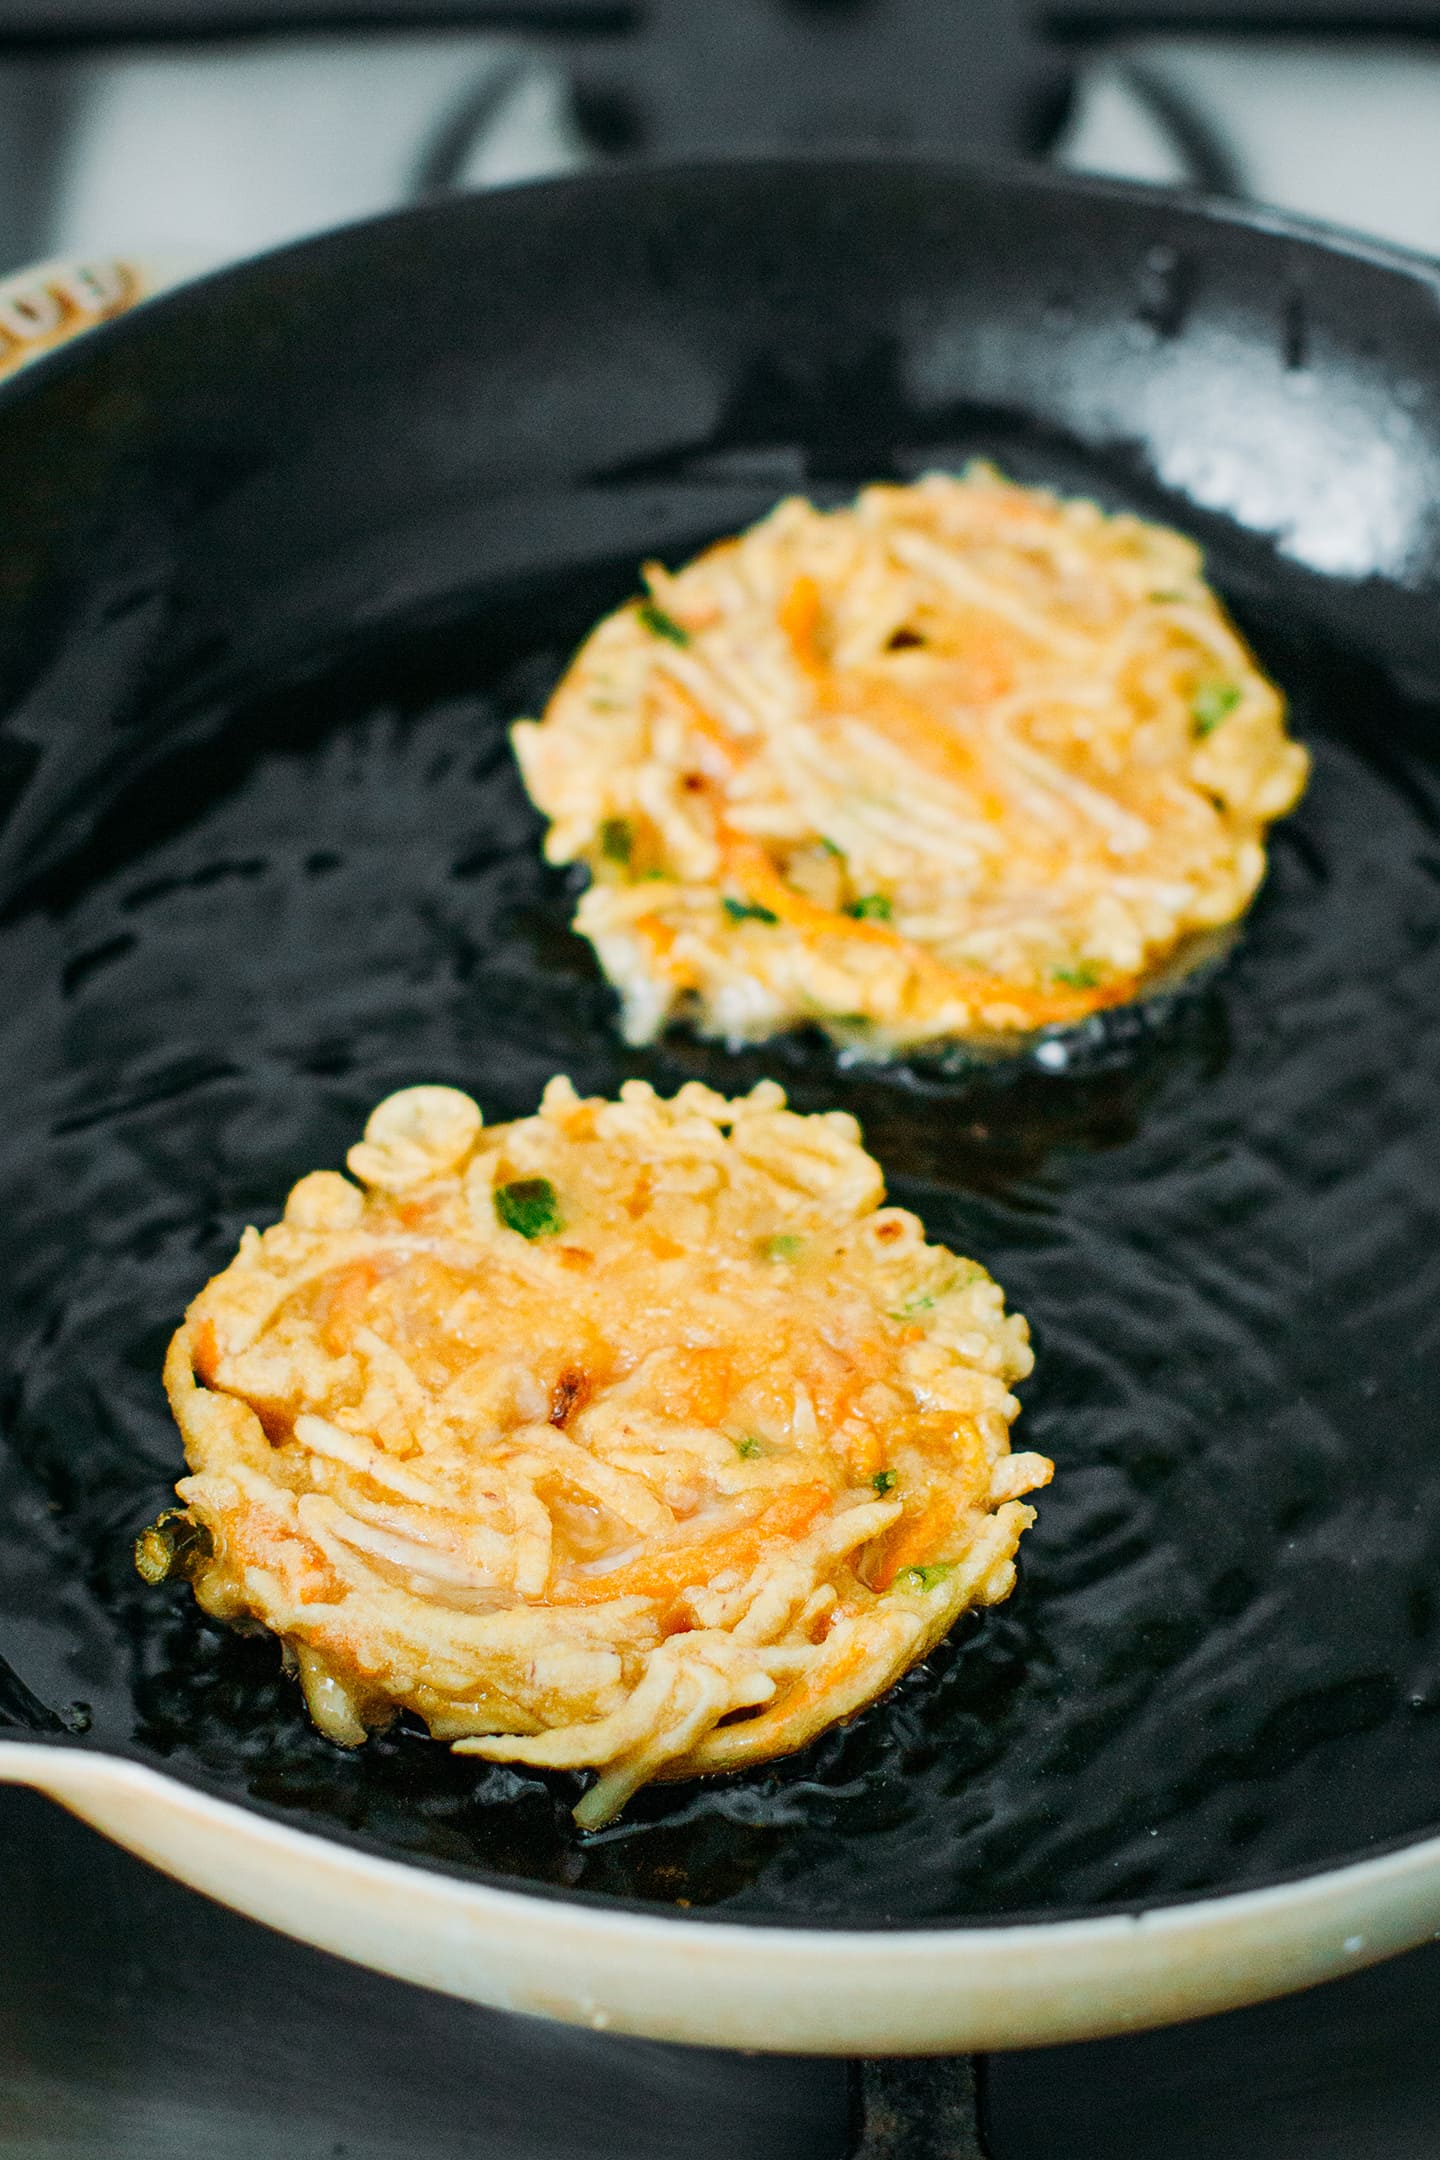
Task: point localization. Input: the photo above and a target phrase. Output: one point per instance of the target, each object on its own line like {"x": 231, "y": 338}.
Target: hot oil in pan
{"x": 1223, "y": 1659}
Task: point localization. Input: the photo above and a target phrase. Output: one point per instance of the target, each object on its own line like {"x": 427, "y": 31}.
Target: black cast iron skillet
{"x": 285, "y": 552}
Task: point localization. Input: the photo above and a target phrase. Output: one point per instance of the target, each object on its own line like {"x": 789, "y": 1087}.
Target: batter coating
{"x": 636, "y": 1436}
{"x": 960, "y": 761}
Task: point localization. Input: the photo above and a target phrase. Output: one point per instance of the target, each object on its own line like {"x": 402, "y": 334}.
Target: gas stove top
{"x": 137, "y": 2020}
{"x": 215, "y": 128}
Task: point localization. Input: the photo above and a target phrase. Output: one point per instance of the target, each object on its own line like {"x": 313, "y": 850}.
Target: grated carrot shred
{"x": 918, "y": 1542}
{"x": 682, "y": 1567}
{"x": 751, "y": 868}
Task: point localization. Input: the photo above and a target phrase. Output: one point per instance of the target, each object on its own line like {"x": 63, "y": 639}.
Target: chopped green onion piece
{"x": 748, "y": 1448}
{"x": 647, "y": 877}
{"x": 1083, "y": 976}
{"x": 831, "y": 849}
{"x": 654, "y": 619}
{"x": 924, "y": 1303}
{"x": 965, "y": 1273}
{"x": 883, "y": 1480}
{"x": 529, "y": 1206}
{"x": 748, "y": 911}
{"x": 1163, "y": 598}
{"x": 617, "y": 838}
{"x": 783, "y": 1247}
{"x": 1213, "y": 703}
{"x": 924, "y": 1578}
{"x": 872, "y": 907}
{"x": 173, "y": 1545}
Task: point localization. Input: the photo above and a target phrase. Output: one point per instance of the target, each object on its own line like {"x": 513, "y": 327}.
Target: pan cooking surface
{"x": 1221, "y": 1662}
{"x": 284, "y": 555}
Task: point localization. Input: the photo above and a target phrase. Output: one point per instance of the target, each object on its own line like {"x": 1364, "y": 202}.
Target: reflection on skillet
{"x": 1224, "y": 1658}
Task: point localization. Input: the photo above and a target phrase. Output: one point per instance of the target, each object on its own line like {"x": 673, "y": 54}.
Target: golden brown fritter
{"x": 960, "y": 761}
{"x": 634, "y": 1435}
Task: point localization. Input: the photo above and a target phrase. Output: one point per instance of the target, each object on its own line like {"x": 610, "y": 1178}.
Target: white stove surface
{"x": 1345, "y": 131}
{"x": 218, "y": 152}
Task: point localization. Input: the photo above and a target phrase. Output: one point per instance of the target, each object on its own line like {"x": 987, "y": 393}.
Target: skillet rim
{"x": 936, "y": 1991}
{"x": 1316, "y": 234}
{"x": 1194, "y": 209}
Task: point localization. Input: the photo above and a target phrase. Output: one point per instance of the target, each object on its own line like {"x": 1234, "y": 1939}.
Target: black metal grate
{"x": 57, "y": 21}
{"x": 660, "y": 78}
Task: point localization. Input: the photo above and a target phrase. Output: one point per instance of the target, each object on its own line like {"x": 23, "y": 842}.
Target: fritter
{"x": 636, "y": 1436}
{"x": 958, "y": 762}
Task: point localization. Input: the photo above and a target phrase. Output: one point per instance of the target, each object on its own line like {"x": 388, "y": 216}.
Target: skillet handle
{"x": 45, "y": 306}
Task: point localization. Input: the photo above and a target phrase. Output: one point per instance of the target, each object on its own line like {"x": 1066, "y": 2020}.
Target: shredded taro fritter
{"x": 637, "y": 1436}
{"x": 960, "y": 761}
